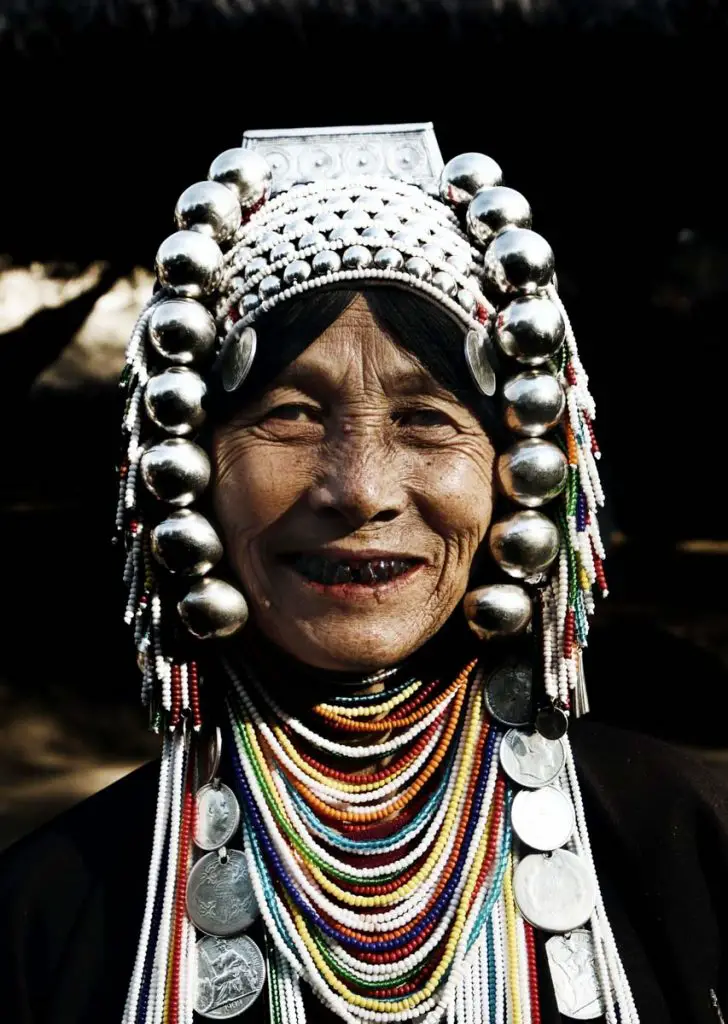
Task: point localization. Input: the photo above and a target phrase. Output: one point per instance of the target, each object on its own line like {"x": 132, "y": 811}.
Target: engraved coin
{"x": 554, "y": 891}
{"x": 542, "y": 818}
{"x": 530, "y": 759}
{"x": 508, "y": 694}
{"x": 230, "y": 976}
{"x": 220, "y": 896}
{"x": 218, "y": 816}
{"x": 552, "y": 722}
{"x": 572, "y": 963}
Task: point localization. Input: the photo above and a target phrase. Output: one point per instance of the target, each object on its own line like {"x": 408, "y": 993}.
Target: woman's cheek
{"x": 458, "y": 493}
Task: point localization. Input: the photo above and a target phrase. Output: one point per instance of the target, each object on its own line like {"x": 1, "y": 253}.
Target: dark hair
{"x": 414, "y": 323}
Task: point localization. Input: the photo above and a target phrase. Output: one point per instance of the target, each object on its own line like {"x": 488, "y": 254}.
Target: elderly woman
{"x": 359, "y": 498}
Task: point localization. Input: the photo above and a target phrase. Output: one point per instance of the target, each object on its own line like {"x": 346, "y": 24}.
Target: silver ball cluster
{"x": 182, "y": 334}
{"x": 528, "y": 329}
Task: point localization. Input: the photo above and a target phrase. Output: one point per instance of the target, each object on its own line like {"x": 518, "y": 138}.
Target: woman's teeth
{"x": 367, "y": 572}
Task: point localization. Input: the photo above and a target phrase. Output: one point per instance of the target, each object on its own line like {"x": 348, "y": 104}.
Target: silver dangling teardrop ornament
{"x": 186, "y": 543}
{"x": 530, "y": 330}
{"x": 210, "y": 208}
{"x": 525, "y": 545}
{"x": 533, "y": 403}
{"x": 175, "y": 471}
{"x": 189, "y": 264}
{"x": 465, "y": 174}
{"x": 182, "y": 331}
{"x": 532, "y": 472}
{"x": 492, "y": 209}
{"x": 519, "y": 260}
{"x": 498, "y": 609}
{"x": 244, "y": 171}
{"x": 213, "y": 609}
{"x": 173, "y": 400}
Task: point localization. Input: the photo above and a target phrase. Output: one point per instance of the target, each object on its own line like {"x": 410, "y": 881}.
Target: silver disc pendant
{"x": 476, "y": 356}
{"x": 572, "y": 965}
{"x": 218, "y": 816}
{"x": 220, "y": 896}
{"x": 530, "y": 759}
{"x": 542, "y": 818}
{"x": 554, "y": 891}
{"x": 508, "y": 694}
{"x": 236, "y": 356}
{"x": 230, "y": 976}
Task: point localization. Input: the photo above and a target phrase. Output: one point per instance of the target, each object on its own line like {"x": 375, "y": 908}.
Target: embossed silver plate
{"x": 542, "y": 818}
{"x": 554, "y": 891}
{"x": 572, "y": 964}
{"x": 406, "y": 151}
{"x": 218, "y": 816}
{"x": 220, "y": 896}
{"x": 530, "y": 759}
{"x": 230, "y": 976}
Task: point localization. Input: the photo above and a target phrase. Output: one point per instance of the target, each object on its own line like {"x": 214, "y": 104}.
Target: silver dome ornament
{"x": 375, "y": 235}
{"x": 499, "y": 609}
{"x": 326, "y": 262}
{"x": 255, "y": 266}
{"x": 173, "y": 400}
{"x": 248, "y": 303}
{"x": 189, "y": 264}
{"x": 525, "y": 544}
{"x": 185, "y": 543}
{"x": 445, "y": 282}
{"x": 417, "y": 266}
{"x": 356, "y": 257}
{"x": 388, "y": 259}
{"x": 407, "y": 237}
{"x": 282, "y": 251}
{"x": 464, "y": 175}
{"x": 530, "y": 329}
{"x": 236, "y": 356}
{"x": 181, "y": 330}
{"x": 533, "y": 403}
{"x": 433, "y": 252}
{"x": 467, "y": 300}
{"x": 269, "y": 287}
{"x": 388, "y": 220}
{"x": 492, "y": 209}
{"x": 175, "y": 471}
{"x": 296, "y": 272}
{"x": 533, "y": 472}
{"x": 326, "y": 221}
{"x": 519, "y": 260}
{"x": 311, "y": 239}
{"x": 478, "y": 360}
{"x": 246, "y": 173}
{"x": 210, "y": 208}
{"x": 357, "y": 218}
{"x": 213, "y": 609}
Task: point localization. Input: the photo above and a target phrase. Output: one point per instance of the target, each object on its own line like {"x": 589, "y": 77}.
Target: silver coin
{"x": 530, "y": 759}
{"x": 220, "y": 896}
{"x": 542, "y": 818}
{"x": 572, "y": 964}
{"x": 554, "y": 891}
{"x": 230, "y": 976}
{"x": 218, "y": 816}
{"x": 508, "y": 694}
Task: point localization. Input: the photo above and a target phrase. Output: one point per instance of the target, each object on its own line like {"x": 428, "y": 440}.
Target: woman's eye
{"x": 294, "y": 412}
{"x": 424, "y": 418}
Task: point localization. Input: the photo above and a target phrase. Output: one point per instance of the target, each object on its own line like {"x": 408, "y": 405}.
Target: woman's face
{"x": 352, "y": 496}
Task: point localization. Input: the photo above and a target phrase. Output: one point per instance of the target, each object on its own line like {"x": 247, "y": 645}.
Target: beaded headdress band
{"x": 290, "y": 212}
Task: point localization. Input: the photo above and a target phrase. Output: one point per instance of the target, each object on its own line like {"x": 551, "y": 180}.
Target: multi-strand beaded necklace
{"x": 383, "y": 869}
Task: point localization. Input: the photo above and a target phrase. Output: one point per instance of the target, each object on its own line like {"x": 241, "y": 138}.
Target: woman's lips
{"x": 352, "y": 576}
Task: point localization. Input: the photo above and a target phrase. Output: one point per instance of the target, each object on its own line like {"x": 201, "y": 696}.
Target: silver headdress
{"x": 294, "y": 211}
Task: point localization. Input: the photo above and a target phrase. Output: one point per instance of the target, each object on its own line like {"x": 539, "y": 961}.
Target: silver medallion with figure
{"x": 554, "y": 891}
{"x": 230, "y": 976}
{"x": 220, "y": 896}
{"x": 531, "y": 760}
{"x": 573, "y": 969}
{"x": 218, "y": 815}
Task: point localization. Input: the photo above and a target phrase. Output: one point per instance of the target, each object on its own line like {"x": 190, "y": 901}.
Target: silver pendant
{"x": 542, "y": 818}
{"x": 476, "y": 356}
{"x": 236, "y": 356}
{"x": 530, "y": 759}
{"x": 230, "y": 976}
{"x": 508, "y": 694}
{"x": 220, "y": 896}
{"x": 554, "y": 891}
{"x": 572, "y": 964}
{"x": 218, "y": 816}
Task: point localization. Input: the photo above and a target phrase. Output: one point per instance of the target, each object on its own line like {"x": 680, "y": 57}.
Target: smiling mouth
{"x": 364, "y": 572}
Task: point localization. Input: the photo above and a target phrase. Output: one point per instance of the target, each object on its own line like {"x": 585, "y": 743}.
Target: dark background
{"x": 610, "y": 117}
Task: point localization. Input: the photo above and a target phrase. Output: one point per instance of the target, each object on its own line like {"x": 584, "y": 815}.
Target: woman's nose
{"x": 361, "y": 483}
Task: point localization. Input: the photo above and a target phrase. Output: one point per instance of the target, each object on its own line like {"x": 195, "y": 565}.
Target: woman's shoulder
{"x": 71, "y": 899}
